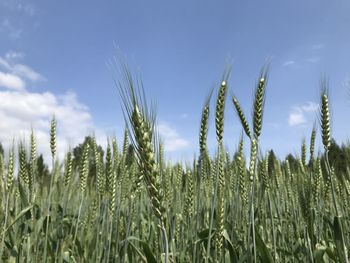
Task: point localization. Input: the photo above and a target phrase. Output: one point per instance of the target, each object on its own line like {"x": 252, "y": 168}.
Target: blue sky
{"x": 54, "y": 58}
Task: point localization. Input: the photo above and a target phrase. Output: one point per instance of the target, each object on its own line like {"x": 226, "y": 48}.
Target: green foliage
{"x": 78, "y": 155}
{"x": 131, "y": 205}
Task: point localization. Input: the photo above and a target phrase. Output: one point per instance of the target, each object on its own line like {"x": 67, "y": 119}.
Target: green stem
{"x": 77, "y": 225}
{"x": 212, "y": 216}
{"x": 166, "y": 243}
{"x": 5, "y": 223}
{"x": 336, "y": 207}
{"x": 48, "y": 208}
{"x": 251, "y": 229}
{"x": 273, "y": 226}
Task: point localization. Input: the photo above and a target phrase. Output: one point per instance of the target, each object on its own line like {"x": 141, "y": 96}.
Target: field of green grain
{"x": 126, "y": 203}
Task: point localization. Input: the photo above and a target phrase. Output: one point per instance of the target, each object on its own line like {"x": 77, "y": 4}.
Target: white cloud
{"x": 21, "y": 110}
{"x": 296, "y": 118}
{"x": 11, "y": 81}
{"x": 12, "y": 31}
{"x": 184, "y": 116}
{"x": 298, "y": 114}
{"x": 12, "y": 55}
{"x": 5, "y": 64}
{"x": 318, "y": 46}
{"x": 288, "y": 63}
{"x": 310, "y": 106}
{"x": 26, "y": 72}
{"x": 172, "y": 140}
{"x": 26, "y": 8}
{"x": 313, "y": 59}
{"x": 20, "y": 6}
{"x": 18, "y": 70}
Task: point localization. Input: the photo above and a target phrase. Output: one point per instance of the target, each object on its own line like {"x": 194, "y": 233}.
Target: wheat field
{"x": 127, "y": 203}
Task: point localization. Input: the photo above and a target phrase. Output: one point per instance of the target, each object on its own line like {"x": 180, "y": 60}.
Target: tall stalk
{"x": 53, "y": 158}
{"x": 326, "y": 140}
{"x": 142, "y": 121}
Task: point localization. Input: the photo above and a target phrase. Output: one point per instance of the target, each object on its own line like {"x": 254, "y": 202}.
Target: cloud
{"x": 313, "y": 59}
{"x": 9, "y": 63}
{"x": 26, "y": 8}
{"x": 19, "y": 6}
{"x": 298, "y": 114}
{"x": 172, "y": 140}
{"x": 12, "y": 31}
{"x": 296, "y": 118}
{"x": 11, "y": 81}
{"x": 310, "y": 107}
{"x": 12, "y": 55}
{"x": 184, "y": 116}
{"x": 318, "y": 46}
{"x": 288, "y": 63}
{"x": 26, "y": 72}
{"x": 21, "y": 110}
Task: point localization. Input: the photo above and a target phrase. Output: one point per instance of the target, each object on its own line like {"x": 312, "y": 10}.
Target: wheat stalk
{"x": 219, "y": 113}
{"x": 326, "y": 140}
{"x": 241, "y": 116}
{"x": 142, "y": 122}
